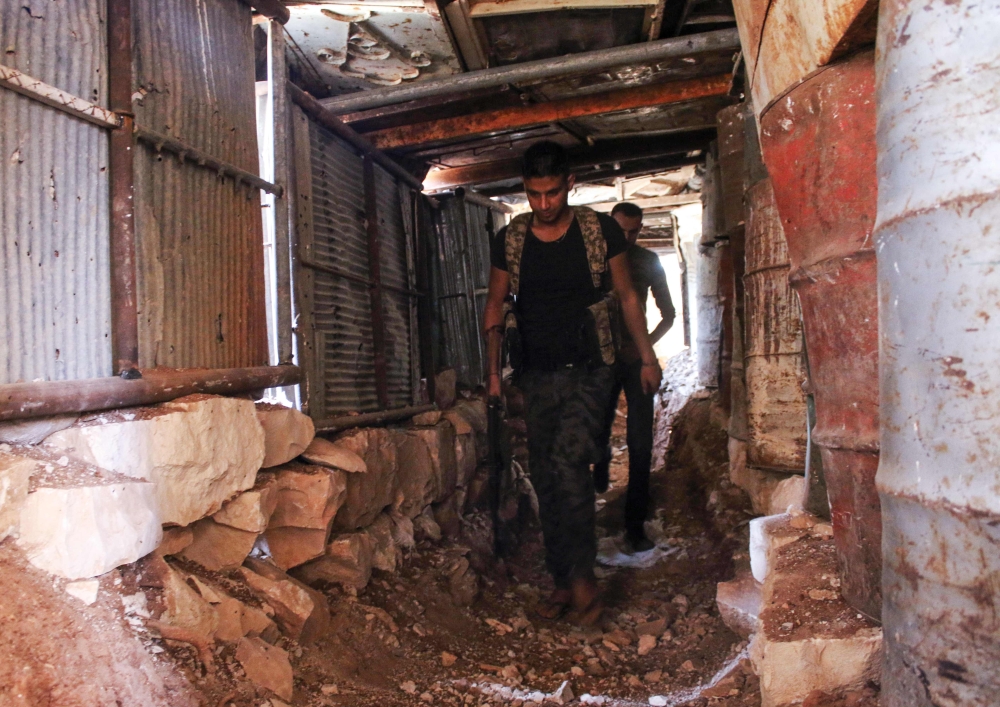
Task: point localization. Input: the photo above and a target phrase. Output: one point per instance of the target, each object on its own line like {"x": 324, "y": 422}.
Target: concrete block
{"x": 85, "y": 530}
{"x": 198, "y": 451}
{"x": 373, "y": 490}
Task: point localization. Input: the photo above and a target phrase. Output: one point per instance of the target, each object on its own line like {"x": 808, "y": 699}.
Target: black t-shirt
{"x": 555, "y": 290}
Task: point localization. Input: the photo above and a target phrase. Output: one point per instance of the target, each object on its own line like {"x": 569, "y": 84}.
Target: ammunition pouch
{"x": 603, "y": 330}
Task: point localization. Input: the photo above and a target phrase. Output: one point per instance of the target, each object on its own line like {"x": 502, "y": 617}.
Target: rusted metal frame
{"x": 309, "y": 355}
{"x": 360, "y": 279}
{"x": 620, "y": 150}
{"x": 347, "y": 422}
{"x": 375, "y": 290}
{"x": 53, "y": 97}
{"x": 553, "y": 111}
{"x": 484, "y": 201}
{"x": 121, "y": 181}
{"x": 272, "y": 9}
{"x": 331, "y": 122}
{"x": 425, "y": 303}
{"x": 389, "y": 111}
{"x": 583, "y": 62}
{"x": 282, "y": 153}
{"x": 19, "y": 401}
{"x": 184, "y": 152}
{"x": 407, "y": 202}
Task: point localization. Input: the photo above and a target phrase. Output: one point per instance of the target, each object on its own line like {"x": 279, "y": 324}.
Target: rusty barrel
{"x": 937, "y": 235}
{"x": 776, "y": 405}
{"x": 819, "y": 145}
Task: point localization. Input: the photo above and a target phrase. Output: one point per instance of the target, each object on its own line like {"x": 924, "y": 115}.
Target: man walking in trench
{"x": 647, "y": 274}
{"x": 560, "y": 262}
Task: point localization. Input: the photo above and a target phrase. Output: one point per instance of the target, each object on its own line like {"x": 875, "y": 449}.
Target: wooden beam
{"x": 552, "y": 112}
{"x": 605, "y": 152}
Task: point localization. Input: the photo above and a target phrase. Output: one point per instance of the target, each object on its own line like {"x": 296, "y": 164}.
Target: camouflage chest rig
{"x": 603, "y": 314}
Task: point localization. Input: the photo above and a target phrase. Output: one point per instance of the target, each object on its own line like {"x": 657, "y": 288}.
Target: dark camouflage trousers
{"x": 566, "y": 412}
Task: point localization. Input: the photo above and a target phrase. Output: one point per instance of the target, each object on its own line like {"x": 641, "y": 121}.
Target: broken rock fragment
{"x": 300, "y": 612}
{"x": 440, "y": 441}
{"x": 198, "y": 451}
{"x": 417, "y": 478}
{"x": 186, "y": 608}
{"x": 323, "y": 452}
{"x": 385, "y": 554}
{"x": 218, "y": 547}
{"x": 307, "y": 500}
{"x": 347, "y": 561}
{"x": 287, "y": 433}
{"x": 266, "y": 666}
{"x": 251, "y": 510}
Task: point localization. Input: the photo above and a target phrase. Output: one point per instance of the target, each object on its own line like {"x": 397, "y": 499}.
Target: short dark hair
{"x": 627, "y": 209}
{"x": 545, "y": 159}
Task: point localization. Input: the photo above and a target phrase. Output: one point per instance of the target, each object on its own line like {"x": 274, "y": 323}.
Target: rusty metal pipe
{"x": 550, "y": 112}
{"x": 20, "y": 401}
{"x": 121, "y": 179}
{"x": 347, "y": 422}
{"x": 584, "y": 62}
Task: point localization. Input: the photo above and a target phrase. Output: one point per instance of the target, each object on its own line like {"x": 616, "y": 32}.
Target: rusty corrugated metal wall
{"x": 55, "y": 310}
{"x": 199, "y": 244}
{"x": 462, "y": 270}
{"x": 342, "y": 314}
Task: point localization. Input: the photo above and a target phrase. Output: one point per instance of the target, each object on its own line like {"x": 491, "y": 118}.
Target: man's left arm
{"x": 635, "y": 321}
{"x": 661, "y": 295}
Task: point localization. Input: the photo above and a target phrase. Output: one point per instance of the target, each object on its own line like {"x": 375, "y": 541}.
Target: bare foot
{"x": 556, "y": 605}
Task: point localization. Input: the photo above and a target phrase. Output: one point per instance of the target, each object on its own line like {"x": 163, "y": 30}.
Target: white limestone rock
{"x": 789, "y": 495}
{"x": 15, "y": 473}
{"x": 790, "y": 670}
{"x": 740, "y": 603}
{"x": 440, "y": 441}
{"x": 83, "y": 531}
{"x": 287, "y": 433}
{"x": 218, "y": 547}
{"x": 348, "y": 562}
{"x": 416, "y": 474}
{"x": 767, "y": 535}
{"x": 84, "y": 590}
{"x": 198, "y": 451}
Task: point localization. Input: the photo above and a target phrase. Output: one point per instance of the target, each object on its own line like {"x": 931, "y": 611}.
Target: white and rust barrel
{"x": 937, "y": 236}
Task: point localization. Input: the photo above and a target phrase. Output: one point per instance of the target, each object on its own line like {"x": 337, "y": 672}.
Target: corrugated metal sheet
{"x": 395, "y": 274}
{"x": 462, "y": 268}
{"x": 342, "y": 313}
{"x": 199, "y": 239}
{"x": 55, "y": 308}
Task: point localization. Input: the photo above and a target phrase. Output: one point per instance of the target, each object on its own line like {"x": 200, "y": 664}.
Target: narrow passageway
{"x": 453, "y": 627}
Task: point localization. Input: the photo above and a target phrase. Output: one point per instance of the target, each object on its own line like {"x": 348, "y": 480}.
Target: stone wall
{"x": 217, "y": 500}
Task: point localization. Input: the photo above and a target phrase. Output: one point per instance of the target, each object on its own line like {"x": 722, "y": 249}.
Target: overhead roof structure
{"x": 457, "y": 90}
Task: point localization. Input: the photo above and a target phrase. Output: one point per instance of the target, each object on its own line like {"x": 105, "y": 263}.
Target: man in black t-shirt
{"x": 555, "y": 280}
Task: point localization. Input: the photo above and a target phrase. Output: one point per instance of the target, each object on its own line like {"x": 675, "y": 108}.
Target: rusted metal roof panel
{"x": 327, "y": 62}
{"x": 55, "y": 304}
{"x": 343, "y": 314}
{"x": 199, "y": 239}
